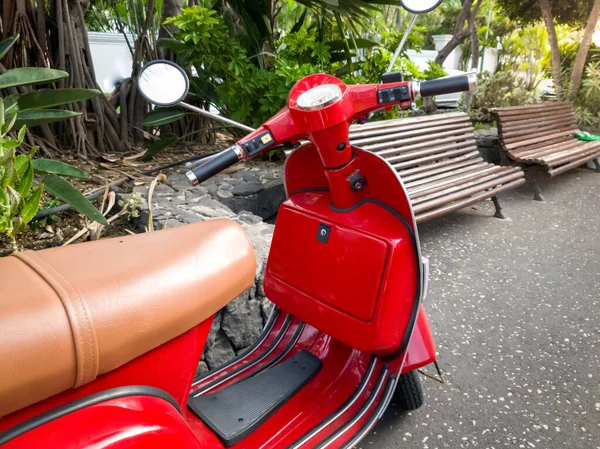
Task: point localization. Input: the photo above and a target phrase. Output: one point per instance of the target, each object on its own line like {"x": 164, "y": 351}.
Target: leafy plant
{"x": 20, "y": 189}
{"x": 588, "y": 101}
{"x": 501, "y": 89}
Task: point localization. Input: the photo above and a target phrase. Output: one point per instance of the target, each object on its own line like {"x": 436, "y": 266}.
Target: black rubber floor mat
{"x": 236, "y": 411}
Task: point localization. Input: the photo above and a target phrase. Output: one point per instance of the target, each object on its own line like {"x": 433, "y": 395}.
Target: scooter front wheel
{"x": 409, "y": 394}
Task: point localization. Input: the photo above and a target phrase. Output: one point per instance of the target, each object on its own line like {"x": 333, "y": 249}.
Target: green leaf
{"x": 47, "y": 98}
{"x": 340, "y": 45}
{"x": 16, "y": 200}
{"x": 30, "y": 75}
{"x": 7, "y": 44}
{"x": 33, "y": 117}
{"x": 1, "y": 112}
{"x": 24, "y": 185}
{"x": 21, "y": 135}
{"x": 61, "y": 189}
{"x": 32, "y": 205}
{"x": 165, "y": 141}
{"x": 9, "y": 174}
{"x": 11, "y": 118}
{"x": 21, "y": 164}
{"x": 172, "y": 44}
{"x": 50, "y": 167}
{"x": 162, "y": 116}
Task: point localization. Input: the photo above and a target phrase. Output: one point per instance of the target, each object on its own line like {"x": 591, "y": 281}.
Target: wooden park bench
{"x": 541, "y": 135}
{"x": 438, "y": 161}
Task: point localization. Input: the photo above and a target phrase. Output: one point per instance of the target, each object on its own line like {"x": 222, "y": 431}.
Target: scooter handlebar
{"x": 442, "y": 86}
{"x": 215, "y": 164}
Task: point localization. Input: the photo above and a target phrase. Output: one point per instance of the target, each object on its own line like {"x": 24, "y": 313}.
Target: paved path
{"x": 515, "y": 310}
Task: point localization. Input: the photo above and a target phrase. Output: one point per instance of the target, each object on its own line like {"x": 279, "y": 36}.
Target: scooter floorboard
{"x": 344, "y": 397}
{"x": 236, "y": 411}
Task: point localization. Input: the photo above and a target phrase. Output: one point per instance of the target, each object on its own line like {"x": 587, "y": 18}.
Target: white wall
{"x": 112, "y": 58}
{"x": 490, "y": 62}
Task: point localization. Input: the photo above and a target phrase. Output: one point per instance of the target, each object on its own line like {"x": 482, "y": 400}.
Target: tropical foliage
{"x": 22, "y": 178}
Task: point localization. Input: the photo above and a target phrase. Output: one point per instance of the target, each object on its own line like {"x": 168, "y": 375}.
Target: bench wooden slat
{"x": 579, "y": 152}
{"x": 445, "y": 144}
{"x": 543, "y": 134}
{"x": 534, "y": 106}
{"x": 396, "y": 140}
{"x": 508, "y": 127}
{"x": 434, "y": 157}
{"x": 546, "y": 113}
{"x": 357, "y": 133}
{"x": 385, "y": 135}
{"x": 410, "y": 174}
{"x": 531, "y": 110}
{"x": 513, "y": 119}
{"x": 574, "y": 164}
{"x": 457, "y": 193}
{"x": 434, "y": 175}
{"x": 457, "y": 179}
{"x": 541, "y": 146}
{"x": 437, "y": 159}
{"x": 545, "y": 151}
{"x": 484, "y": 180}
{"x": 402, "y": 122}
{"x": 406, "y": 155}
{"x": 466, "y": 202}
{"x": 511, "y": 146}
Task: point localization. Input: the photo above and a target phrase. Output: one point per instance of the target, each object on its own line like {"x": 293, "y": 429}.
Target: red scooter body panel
{"x": 133, "y": 422}
{"x": 301, "y": 255}
{"x": 421, "y": 351}
{"x": 170, "y": 367}
{"x": 359, "y": 298}
{"x": 350, "y": 287}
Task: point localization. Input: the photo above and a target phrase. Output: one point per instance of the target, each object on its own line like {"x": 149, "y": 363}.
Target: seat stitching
{"x": 84, "y": 334}
{"x": 89, "y": 334}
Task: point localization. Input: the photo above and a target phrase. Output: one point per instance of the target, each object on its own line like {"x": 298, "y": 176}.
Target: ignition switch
{"x": 357, "y": 181}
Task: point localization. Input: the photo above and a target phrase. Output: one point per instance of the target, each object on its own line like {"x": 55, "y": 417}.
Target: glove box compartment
{"x": 332, "y": 271}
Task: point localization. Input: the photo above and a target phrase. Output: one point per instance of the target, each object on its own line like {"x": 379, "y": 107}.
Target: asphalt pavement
{"x": 514, "y": 307}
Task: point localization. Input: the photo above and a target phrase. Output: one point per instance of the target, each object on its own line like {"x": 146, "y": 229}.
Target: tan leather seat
{"x": 70, "y": 314}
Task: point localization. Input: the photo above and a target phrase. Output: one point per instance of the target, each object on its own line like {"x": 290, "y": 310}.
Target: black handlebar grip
{"x": 213, "y": 165}
{"x": 449, "y": 85}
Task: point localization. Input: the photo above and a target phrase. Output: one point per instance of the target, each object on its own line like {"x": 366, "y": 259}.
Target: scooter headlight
{"x": 319, "y": 97}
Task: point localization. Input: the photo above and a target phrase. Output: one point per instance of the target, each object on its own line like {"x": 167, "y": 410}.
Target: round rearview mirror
{"x": 163, "y": 83}
{"x": 420, "y": 6}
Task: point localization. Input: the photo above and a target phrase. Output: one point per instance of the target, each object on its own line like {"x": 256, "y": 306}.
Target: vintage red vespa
{"x": 100, "y": 354}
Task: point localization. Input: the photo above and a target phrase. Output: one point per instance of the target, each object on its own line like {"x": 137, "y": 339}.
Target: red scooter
{"x": 98, "y": 354}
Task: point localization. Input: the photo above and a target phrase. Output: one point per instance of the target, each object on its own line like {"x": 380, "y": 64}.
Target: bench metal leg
{"x": 537, "y": 192}
{"x": 597, "y": 164}
{"x": 498, "y": 213}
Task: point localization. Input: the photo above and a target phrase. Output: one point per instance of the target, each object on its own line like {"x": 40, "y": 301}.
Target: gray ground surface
{"x": 515, "y": 309}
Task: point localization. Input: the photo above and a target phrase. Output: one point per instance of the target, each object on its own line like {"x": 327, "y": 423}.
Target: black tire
{"x": 409, "y": 394}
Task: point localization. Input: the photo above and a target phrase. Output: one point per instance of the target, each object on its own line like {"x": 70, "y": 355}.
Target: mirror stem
{"x": 411, "y": 24}
{"x": 214, "y": 116}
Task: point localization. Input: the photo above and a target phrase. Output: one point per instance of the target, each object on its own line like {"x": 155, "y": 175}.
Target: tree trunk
{"x": 584, "y": 48}
{"x": 459, "y": 35}
{"x": 170, "y": 8}
{"x": 556, "y": 69}
{"x": 474, "y": 50}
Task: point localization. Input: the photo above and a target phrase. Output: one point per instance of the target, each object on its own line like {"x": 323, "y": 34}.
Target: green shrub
{"x": 588, "y": 100}
{"x": 501, "y": 89}
{"x": 22, "y": 178}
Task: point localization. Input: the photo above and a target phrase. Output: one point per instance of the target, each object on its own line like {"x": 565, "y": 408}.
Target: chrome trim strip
{"x": 361, "y": 413}
{"x": 287, "y": 348}
{"x": 364, "y": 431}
{"x": 416, "y": 89}
{"x": 263, "y": 336}
{"x": 253, "y": 363}
{"x": 351, "y": 401}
